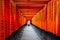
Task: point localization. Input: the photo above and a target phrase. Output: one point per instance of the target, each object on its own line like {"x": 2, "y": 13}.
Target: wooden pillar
{"x": 2, "y": 21}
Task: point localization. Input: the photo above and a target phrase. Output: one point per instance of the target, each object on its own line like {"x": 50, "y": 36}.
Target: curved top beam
{"x": 30, "y": 7}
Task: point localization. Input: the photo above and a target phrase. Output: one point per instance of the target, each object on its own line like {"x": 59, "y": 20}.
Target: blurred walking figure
{"x": 28, "y": 22}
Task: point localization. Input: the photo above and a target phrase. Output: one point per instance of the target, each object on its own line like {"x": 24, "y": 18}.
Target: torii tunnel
{"x": 29, "y": 19}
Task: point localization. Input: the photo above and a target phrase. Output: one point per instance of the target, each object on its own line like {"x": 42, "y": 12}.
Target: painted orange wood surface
{"x": 40, "y": 19}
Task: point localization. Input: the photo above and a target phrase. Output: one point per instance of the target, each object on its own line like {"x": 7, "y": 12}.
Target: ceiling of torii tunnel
{"x": 29, "y": 8}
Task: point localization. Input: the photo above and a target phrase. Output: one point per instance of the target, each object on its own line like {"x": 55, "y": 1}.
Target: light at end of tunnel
{"x": 28, "y": 22}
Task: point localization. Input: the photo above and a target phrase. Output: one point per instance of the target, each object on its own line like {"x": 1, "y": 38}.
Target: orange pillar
{"x": 58, "y": 15}
{"x": 7, "y": 11}
{"x": 2, "y": 21}
{"x": 6, "y": 18}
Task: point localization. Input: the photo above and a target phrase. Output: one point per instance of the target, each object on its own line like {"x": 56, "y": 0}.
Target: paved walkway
{"x": 30, "y": 32}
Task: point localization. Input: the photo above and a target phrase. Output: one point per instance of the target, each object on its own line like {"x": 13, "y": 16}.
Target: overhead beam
{"x": 28, "y": 0}
{"x": 39, "y": 0}
{"x": 29, "y": 7}
{"x": 33, "y": 2}
{"x": 28, "y": 14}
